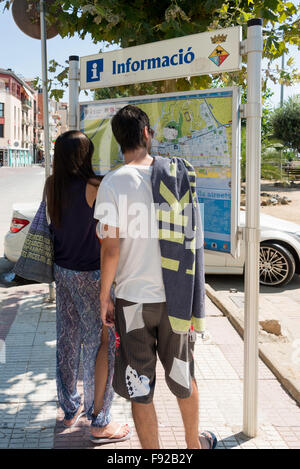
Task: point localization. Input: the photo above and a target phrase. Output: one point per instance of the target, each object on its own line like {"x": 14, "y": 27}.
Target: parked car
{"x": 279, "y": 247}
{"x": 22, "y": 216}
{"x": 279, "y": 253}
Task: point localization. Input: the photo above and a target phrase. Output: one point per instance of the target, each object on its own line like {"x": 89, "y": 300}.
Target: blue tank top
{"x": 76, "y": 245}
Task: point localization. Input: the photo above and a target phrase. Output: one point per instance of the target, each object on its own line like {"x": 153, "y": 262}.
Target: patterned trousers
{"x": 79, "y": 326}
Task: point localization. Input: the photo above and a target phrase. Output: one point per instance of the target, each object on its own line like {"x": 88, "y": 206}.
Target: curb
{"x": 289, "y": 383}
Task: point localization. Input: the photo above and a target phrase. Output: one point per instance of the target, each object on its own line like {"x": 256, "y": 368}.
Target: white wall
{"x": 12, "y": 108}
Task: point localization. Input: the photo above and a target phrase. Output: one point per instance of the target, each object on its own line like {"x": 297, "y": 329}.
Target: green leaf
{"x": 57, "y": 94}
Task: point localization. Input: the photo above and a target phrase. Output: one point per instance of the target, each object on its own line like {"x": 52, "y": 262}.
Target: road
{"x": 18, "y": 185}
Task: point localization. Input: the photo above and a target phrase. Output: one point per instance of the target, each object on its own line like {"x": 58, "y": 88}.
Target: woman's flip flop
{"x": 80, "y": 414}
{"x": 101, "y": 440}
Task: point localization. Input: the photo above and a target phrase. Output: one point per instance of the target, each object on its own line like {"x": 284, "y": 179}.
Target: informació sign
{"x": 200, "y": 126}
{"x": 197, "y": 54}
{"x": 152, "y": 63}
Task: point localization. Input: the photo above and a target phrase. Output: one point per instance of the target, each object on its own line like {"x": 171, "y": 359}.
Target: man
{"x": 131, "y": 256}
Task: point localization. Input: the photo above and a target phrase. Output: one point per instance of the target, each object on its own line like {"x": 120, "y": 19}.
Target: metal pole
{"x": 281, "y": 86}
{"x": 45, "y": 87}
{"x": 281, "y": 104}
{"x": 73, "y": 92}
{"x": 45, "y": 107}
{"x": 252, "y": 228}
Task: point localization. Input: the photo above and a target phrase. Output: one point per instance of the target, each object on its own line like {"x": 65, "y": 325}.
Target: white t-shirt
{"x": 125, "y": 201}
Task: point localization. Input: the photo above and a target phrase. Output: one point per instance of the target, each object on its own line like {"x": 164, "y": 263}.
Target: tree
{"x": 134, "y": 22}
{"x": 286, "y": 123}
{"x": 271, "y": 157}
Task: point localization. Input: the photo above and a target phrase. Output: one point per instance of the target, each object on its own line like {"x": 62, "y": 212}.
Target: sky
{"x": 23, "y": 54}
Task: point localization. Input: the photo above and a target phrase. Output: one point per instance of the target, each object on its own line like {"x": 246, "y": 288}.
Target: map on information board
{"x": 197, "y": 126}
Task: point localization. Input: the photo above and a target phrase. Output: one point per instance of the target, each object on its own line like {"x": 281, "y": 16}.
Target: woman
{"x": 71, "y": 193}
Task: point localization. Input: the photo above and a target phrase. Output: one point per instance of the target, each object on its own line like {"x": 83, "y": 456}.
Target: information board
{"x": 197, "y": 54}
{"x": 200, "y": 126}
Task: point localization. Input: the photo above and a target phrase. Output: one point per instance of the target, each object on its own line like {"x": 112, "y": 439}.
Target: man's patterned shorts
{"x": 143, "y": 331}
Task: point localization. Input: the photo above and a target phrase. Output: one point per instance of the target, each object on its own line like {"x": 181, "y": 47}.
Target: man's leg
{"x": 189, "y": 409}
{"x": 148, "y": 434}
{"x": 134, "y": 376}
{"x": 176, "y": 354}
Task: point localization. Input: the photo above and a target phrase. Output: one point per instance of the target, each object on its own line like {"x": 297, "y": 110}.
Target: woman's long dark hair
{"x": 73, "y": 153}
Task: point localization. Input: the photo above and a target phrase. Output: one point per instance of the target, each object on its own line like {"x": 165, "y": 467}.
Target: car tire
{"x": 276, "y": 265}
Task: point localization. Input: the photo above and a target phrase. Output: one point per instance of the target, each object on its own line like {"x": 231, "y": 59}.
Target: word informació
{"x": 130, "y": 65}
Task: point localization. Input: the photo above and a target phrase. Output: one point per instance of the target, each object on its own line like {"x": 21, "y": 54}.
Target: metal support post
{"x": 73, "y": 92}
{"x": 45, "y": 108}
{"x": 252, "y": 229}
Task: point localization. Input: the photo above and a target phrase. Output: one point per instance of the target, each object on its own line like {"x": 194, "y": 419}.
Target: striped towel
{"x": 181, "y": 242}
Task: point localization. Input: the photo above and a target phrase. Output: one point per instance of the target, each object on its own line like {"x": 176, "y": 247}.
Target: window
{"x": 1, "y": 109}
{"x": 1, "y": 130}
{"x": 19, "y": 123}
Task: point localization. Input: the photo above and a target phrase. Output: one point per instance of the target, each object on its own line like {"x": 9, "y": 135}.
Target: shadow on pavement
{"x": 5, "y": 265}
{"x": 8, "y": 278}
{"x": 269, "y": 187}
{"x": 227, "y": 282}
{"x": 27, "y": 376}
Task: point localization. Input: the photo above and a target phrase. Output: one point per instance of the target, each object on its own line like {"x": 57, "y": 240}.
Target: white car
{"x": 279, "y": 247}
{"x": 279, "y": 253}
{"x": 22, "y": 216}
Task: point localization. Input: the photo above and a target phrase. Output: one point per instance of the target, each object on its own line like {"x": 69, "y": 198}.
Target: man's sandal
{"x": 211, "y": 438}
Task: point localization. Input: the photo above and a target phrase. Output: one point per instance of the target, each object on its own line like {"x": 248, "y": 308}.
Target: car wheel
{"x": 276, "y": 265}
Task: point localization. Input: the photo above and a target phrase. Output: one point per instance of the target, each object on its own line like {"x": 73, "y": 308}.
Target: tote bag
{"x": 36, "y": 261}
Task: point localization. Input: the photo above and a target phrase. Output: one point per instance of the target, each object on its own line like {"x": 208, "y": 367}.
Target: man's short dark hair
{"x": 128, "y": 127}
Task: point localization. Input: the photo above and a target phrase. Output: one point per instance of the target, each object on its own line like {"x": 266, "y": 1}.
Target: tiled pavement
{"x": 29, "y": 417}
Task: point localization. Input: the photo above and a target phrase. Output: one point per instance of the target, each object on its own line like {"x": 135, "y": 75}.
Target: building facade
{"x": 17, "y": 117}
{"x": 22, "y": 122}
{"x": 58, "y": 118}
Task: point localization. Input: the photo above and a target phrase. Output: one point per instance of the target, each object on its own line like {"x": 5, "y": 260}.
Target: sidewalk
{"x": 29, "y": 417}
{"x": 279, "y": 324}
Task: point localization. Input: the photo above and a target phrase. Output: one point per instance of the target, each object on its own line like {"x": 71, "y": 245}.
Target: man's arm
{"x": 110, "y": 252}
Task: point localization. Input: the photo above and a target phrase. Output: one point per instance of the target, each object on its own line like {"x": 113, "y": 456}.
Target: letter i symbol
{"x": 94, "y": 71}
